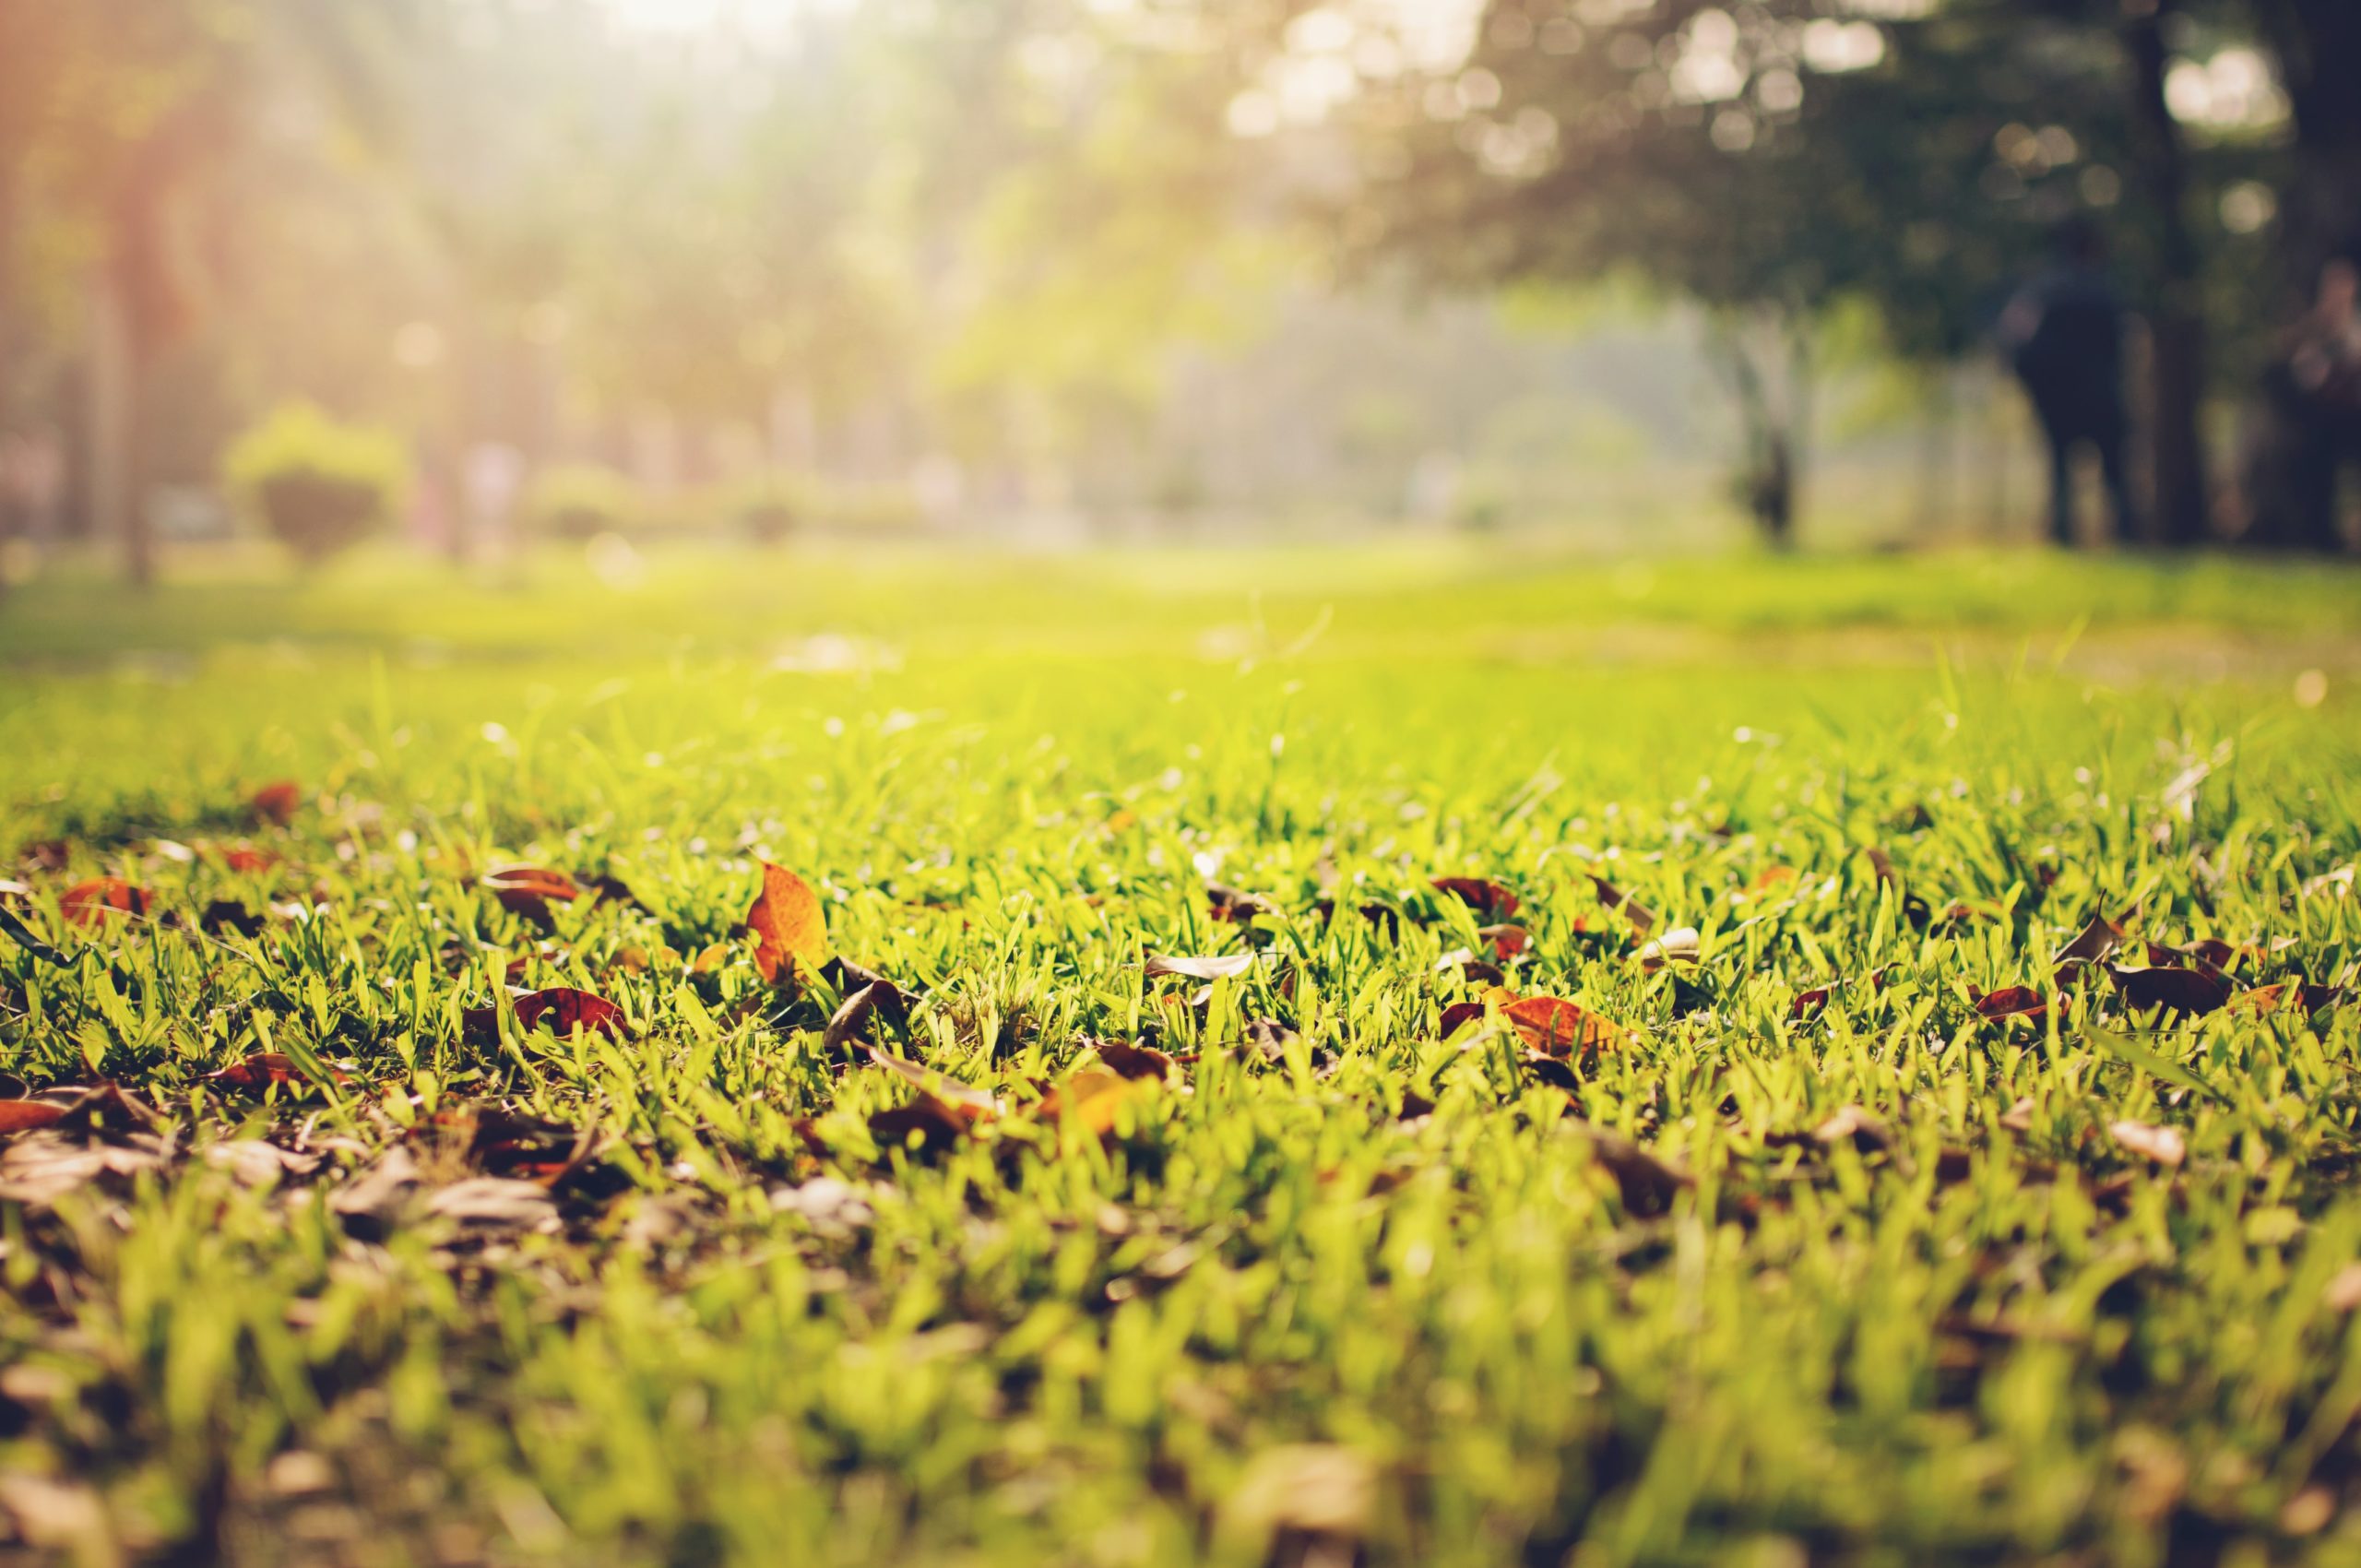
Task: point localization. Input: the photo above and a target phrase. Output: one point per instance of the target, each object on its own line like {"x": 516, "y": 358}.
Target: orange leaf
{"x": 24, "y": 1115}
{"x": 790, "y": 928}
{"x": 565, "y": 1010}
{"x": 1091, "y": 1100}
{"x": 1556, "y": 1026}
{"x": 263, "y": 1070}
{"x": 89, "y": 903}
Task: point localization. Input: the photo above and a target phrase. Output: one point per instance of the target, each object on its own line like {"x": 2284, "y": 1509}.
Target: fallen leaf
{"x": 2097, "y": 942}
{"x": 528, "y": 891}
{"x": 1225, "y": 965}
{"x": 1647, "y": 1183}
{"x": 2192, "y": 991}
{"x": 257, "y": 1163}
{"x": 495, "y": 1202}
{"x": 1457, "y": 1016}
{"x": 2271, "y": 998}
{"x": 1092, "y": 1100}
{"x": 277, "y": 803}
{"x": 788, "y": 925}
{"x": 1491, "y": 901}
{"x": 967, "y": 1101}
{"x": 845, "y": 1026}
{"x": 1852, "y": 1123}
{"x": 2012, "y": 1002}
{"x": 565, "y": 1010}
{"x": 1807, "y": 1002}
{"x": 1130, "y": 1061}
{"x": 265, "y": 1070}
{"x": 103, "y": 899}
{"x": 1230, "y": 904}
{"x": 1681, "y": 946}
{"x": 1643, "y": 919}
{"x": 934, "y": 1125}
{"x": 1558, "y": 1028}
{"x": 2166, "y": 1146}
{"x": 25, "y": 1115}
{"x": 1507, "y": 941}
{"x": 228, "y": 914}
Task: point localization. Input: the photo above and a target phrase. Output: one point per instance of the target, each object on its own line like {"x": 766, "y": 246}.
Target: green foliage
{"x": 319, "y": 486}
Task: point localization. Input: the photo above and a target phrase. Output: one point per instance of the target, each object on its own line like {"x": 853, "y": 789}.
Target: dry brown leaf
{"x": 1643, "y": 919}
{"x": 967, "y": 1101}
{"x": 2012, "y": 1002}
{"x": 1214, "y": 967}
{"x": 2095, "y": 944}
{"x": 1130, "y": 1061}
{"x": 2192, "y": 991}
{"x": 2166, "y": 1146}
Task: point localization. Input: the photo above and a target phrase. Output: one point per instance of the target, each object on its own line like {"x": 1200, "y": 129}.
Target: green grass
{"x": 1266, "y": 1318}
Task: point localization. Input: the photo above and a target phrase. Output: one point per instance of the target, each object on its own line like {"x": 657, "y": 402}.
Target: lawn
{"x": 1879, "y": 1080}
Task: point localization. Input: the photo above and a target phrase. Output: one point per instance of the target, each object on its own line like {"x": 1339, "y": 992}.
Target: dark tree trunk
{"x": 2176, "y": 329}
{"x": 2291, "y": 462}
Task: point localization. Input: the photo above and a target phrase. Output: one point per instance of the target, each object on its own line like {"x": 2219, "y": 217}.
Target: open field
{"x": 1796, "y": 1236}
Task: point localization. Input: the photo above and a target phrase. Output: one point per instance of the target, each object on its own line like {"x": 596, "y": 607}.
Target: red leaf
{"x": 25, "y": 1115}
{"x": 565, "y": 1010}
{"x": 1507, "y": 941}
{"x": 1491, "y": 901}
{"x": 2176, "y": 991}
{"x": 1809, "y": 1001}
{"x": 789, "y": 927}
{"x": 1458, "y": 1016}
{"x": 277, "y": 803}
{"x": 101, "y": 899}
{"x": 2013, "y": 1001}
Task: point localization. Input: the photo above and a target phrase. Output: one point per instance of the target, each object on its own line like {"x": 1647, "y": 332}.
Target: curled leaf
{"x": 1681, "y": 946}
{"x": 2095, "y": 944}
{"x": 1129, "y": 1061}
{"x": 1643, "y": 919}
{"x": 1224, "y": 966}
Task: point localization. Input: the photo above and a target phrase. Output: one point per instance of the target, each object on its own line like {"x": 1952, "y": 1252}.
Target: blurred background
{"x": 463, "y": 277}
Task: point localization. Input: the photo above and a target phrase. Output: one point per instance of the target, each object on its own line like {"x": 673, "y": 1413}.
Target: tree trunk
{"x": 2176, "y": 329}
{"x": 2290, "y": 477}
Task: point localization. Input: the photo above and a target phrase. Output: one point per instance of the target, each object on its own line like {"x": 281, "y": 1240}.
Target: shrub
{"x": 319, "y": 486}
{"x": 581, "y": 501}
